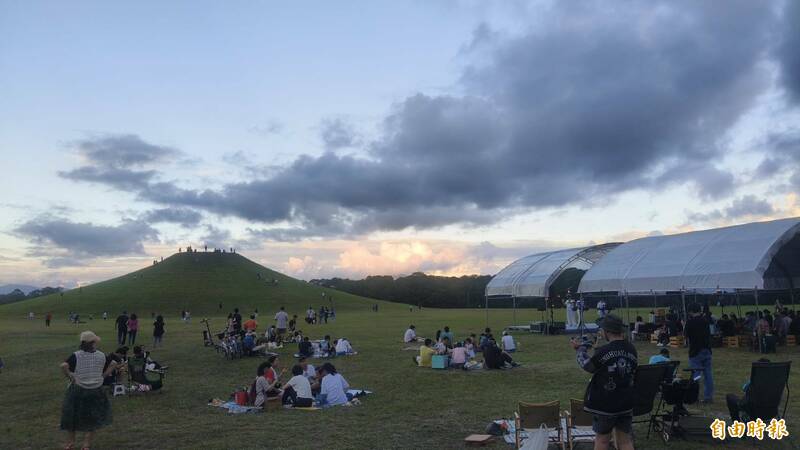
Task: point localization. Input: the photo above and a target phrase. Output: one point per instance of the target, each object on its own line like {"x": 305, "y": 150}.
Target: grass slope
{"x": 197, "y": 282}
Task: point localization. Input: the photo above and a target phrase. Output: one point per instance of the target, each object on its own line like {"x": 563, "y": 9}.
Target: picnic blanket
{"x": 358, "y": 392}
{"x": 553, "y": 434}
{"x": 233, "y": 408}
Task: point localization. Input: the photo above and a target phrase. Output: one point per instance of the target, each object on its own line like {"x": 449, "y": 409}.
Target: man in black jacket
{"x": 122, "y": 327}
{"x": 698, "y": 334}
{"x": 610, "y": 394}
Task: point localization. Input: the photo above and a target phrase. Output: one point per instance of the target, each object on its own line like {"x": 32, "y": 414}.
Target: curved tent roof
{"x": 532, "y": 275}
{"x": 760, "y": 255}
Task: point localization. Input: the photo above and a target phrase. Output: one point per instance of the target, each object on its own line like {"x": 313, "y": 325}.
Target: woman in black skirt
{"x": 86, "y": 407}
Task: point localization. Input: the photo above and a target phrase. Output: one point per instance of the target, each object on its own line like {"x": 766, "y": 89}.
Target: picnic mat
{"x": 233, "y": 408}
{"x": 553, "y": 434}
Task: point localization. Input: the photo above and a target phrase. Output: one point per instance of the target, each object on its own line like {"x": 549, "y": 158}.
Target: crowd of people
{"x": 463, "y": 354}
{"x": 307, "y": 386}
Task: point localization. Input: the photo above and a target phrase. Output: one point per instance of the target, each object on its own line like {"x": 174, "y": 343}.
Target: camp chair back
{"x": 533, "y": 415}
{"x": 669, "y": 374}
{"x": 136, "y": 369}
{"x": 577, "y": 417}
{"x": 647, "y": 384}
{"x": 767, "y": 383}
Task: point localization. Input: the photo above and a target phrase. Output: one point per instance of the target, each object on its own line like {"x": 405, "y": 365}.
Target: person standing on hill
{"x": 158, "y": 330}
{"x": 47, "y": 319}
{"x": 133, "y": 328}
{"x": 281, "y": 323}
{"x": 122, "y": 327}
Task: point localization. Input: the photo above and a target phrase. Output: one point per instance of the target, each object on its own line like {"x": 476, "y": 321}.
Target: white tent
{"x": 761, "y": 255}
{"x": 532, "y": 275}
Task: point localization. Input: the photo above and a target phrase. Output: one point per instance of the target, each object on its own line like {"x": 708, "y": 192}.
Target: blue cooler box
{"x": 440, "y": 361}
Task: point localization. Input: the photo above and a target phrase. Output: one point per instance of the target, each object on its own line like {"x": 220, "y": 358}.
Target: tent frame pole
{"x": 514, "y": 312}
{"x": 683, "y": 303}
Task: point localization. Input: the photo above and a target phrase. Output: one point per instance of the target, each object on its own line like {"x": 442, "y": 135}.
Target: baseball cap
{"x": 612, "y": 324}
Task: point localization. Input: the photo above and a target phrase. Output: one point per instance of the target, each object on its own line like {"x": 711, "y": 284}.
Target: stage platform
{"x": 557, "y": 328}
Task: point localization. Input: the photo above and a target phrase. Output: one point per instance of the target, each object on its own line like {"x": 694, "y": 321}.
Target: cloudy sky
{"x": 354, "y": 138}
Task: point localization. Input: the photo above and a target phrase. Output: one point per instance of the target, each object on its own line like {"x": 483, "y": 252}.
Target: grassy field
{"x": 411, "y": 407}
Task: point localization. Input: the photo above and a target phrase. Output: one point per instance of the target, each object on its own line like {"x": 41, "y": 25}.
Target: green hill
{"x": 197, "y": 282}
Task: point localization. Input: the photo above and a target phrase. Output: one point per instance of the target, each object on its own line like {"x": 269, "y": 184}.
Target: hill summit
{"x": 198, "y": 282}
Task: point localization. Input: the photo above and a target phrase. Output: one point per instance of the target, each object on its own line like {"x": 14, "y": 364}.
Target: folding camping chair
{"x": 647, "y": 384}
{"x": 140, "y": 374}
{"x": 579, "y": 424}
{"x": 767, "y": 383}
{"x": 532, "y": 415}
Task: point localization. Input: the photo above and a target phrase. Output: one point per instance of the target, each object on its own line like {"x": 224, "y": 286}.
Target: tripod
{"x": 579, "y": 306}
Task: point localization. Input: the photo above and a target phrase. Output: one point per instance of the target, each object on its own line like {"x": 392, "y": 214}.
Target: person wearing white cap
{"x": 86, "y": 407}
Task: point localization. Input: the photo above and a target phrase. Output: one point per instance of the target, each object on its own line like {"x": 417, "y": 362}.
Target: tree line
{"x": 417, "y": 289}
{"x": 17, "y": 295}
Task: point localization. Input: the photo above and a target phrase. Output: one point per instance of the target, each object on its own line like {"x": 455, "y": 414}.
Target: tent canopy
{"x": 532, "y": 275}
{"x": 761, "y": 255}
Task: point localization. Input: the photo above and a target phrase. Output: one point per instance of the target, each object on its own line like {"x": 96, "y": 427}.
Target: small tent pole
{"x": 628, "y": 313}
{"x": 486, "y": 307}
{"x": 683, "y": 302}
{"x": 755, "y": 294}
{"x": 514, "y": 313}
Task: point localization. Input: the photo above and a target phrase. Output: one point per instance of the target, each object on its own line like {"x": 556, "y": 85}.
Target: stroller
{"x": 144, "y": 374}
{"x": 677, "y": 421}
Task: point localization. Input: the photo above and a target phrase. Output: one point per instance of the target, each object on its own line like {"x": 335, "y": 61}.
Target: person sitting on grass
{"x": 266, "y": 384}
{"x": 662, "y": 335}
{"x": 447, "y": 334}
{"x": 508, "y": 343}
{"x": 458, "y": 356}
{"x": 343, "y": 347}
{"x": 333, "y": 389}
{"x": 469, "y": 345}
{"x": 249, "y": 342}
{"x": 443, "y": 346}
{"x": 119, "y": 357}
{"x": 305, "y": 349}
{"x": 297, "y": 391}
{"x": 308, "y": 369}
{"x": 410, "y": 335}
{"x": 661, "y": 357}
{"x": 494, "y": 358}
{"x": 425, "y": 354}
{"x": 326, "y": 347}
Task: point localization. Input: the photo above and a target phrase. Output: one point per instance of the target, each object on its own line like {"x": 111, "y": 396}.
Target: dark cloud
{"x": 185, "y": 217}
{"x": 789, "y": 49}
{"x": 123, "y": 179}
{"x": 782, "y": 157}
{"x": 745, "y": 206}
{"x": 75, "y": 240}
{"x": 338, "y": 133}
{"x": 122, "y": 150}
{"x": 119, "y": 160}
{"x": 590, "y": 103}
{"x": 216, "y": 237}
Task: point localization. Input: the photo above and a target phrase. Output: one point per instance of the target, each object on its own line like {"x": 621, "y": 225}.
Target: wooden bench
{"x": 676, "y": 341}
{"x": 731, "y": 341}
